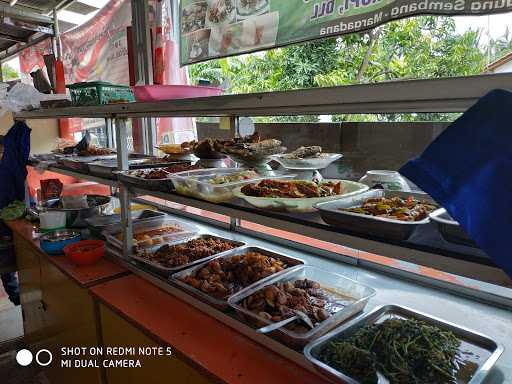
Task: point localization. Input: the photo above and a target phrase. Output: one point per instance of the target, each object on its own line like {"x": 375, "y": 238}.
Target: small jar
{"x": 389, "y": 180}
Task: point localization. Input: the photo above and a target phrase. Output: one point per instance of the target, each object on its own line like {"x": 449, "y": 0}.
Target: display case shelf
{"x": 438, "y": 95}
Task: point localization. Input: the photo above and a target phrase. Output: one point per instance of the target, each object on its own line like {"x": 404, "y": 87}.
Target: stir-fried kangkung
{"x": 404, "y": 351}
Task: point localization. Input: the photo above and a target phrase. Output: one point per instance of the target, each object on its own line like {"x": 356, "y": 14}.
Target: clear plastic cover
{"x": 348, "y": 298}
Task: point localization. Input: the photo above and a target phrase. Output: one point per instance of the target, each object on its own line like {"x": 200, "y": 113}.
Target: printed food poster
{"x": 218, "y": 28}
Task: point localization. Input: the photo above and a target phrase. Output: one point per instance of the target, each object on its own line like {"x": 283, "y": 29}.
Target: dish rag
{"x": 13, "y": 167}
{"x": 468, "y": 171}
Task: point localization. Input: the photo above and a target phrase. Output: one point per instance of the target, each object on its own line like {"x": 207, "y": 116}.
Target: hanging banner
{"x": 219, "y": 28}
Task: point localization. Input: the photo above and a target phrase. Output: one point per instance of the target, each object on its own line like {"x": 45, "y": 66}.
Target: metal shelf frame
{"x": 413, "y": 96}
{"x": 439, "y": 95}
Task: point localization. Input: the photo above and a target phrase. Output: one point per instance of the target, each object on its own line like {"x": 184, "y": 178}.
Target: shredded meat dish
{"x": 171, "y": 256}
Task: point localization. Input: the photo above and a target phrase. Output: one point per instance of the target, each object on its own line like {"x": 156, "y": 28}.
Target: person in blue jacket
{"x": 15, "y": 150}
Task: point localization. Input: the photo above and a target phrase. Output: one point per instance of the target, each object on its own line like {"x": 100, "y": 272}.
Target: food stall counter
{"x": 211, "y": 347}
{"x": 85, "y": 276}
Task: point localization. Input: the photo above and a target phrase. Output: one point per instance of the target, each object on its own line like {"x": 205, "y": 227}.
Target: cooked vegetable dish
{"x": 296, "y": 189}
{"x": 277, "y": 302}
{"x": 223, "y": 277}
{"x": 171, "y": 256}
{"x": 233, "y": 177}
{"x": 403, "y": 350}
{"x": 395, "y": 208}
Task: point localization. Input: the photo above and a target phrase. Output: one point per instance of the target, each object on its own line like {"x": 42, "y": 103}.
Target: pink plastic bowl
{"x": 170, "y": 92}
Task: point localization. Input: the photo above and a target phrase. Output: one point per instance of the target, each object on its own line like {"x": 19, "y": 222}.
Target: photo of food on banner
{"x": 224, "y": 27}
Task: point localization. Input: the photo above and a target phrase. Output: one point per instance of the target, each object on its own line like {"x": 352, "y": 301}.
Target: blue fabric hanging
{"x": 13, "y": 170}
{"x": 468, "y": 170}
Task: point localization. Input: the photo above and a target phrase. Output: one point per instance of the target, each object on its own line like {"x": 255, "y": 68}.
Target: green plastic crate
{"x": 98, "y": 93}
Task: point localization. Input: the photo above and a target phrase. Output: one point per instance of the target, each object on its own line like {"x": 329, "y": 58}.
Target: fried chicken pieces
{"x": 221, "y": 278}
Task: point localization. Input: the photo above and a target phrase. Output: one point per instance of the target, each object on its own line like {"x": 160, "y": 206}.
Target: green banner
{"x": 219, "y": 28}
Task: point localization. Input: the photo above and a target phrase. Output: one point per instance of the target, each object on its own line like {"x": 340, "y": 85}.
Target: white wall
{"x": 43, "y": 136}
{"x": 507, "y": 67}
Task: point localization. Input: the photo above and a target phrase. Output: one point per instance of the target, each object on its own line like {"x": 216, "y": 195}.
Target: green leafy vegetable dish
{"x": 402, "y": 350}
{"x": 13, "y": 211}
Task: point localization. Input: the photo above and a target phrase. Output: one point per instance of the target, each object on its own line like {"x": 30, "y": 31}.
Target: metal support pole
{"x": 143, "y": 64}
{"x": 57, "y": 49}
{"x": 234, "y": 122}
{"x": 109, "y": 132}
{"x": 124, "y": 194}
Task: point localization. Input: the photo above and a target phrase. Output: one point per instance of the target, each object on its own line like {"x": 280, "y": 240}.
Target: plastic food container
{"x": 170, "y": 92}
{"x": 86, "y": 252}
{"x": 483, "y": 352}
{"x": 301, "y": 205}
{"x": 114, "y": 235}
{"x": 52, "y": 220}
{"x": 53, "y": 243}
{"x": 197, "y": 183}
{"x": 451, "y": 229}
{"x": 166, "y": 271}
{"x": 332, "y": 213}
{"x": 351, "y": 298}
{"x": 223, "y": 305}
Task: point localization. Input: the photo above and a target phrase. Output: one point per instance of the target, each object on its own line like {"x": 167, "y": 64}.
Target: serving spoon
{"x": 298, "y": 315}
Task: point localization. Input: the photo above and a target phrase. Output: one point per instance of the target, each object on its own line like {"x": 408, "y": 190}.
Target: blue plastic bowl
{"x": 53, "y": 243}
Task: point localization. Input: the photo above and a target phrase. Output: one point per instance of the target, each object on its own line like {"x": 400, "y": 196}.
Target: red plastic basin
{"x": 85, "y": 252}
{"x": 170, "y": 92}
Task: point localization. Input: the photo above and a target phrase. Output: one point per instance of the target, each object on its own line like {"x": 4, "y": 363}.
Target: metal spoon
{"x": 298, "y": 315}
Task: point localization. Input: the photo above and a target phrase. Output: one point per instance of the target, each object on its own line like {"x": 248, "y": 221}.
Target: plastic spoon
{"x": 298, "y": 315}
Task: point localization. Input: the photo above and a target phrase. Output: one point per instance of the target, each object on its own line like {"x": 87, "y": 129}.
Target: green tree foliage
{"x": 421, "y": 47}
{"x": 9, "y": 73}
{"x": 500, "y": 46}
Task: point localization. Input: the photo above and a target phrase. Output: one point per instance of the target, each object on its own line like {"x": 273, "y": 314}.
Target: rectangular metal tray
{"x": 485, "y": 350}
{"x": 80, "y": 163}
{"x": 451, "y": 230}
{"x": 165, "y": 271}
{"x": 370, "y": 225}
{"x": 149, "y": 224}
{"x": 160, "y": 185}
{"x": 108, "y": 168}
{"x": 97, "y": 224}
{"x": 351, "y": 297}
{"x": 223, "y": 305}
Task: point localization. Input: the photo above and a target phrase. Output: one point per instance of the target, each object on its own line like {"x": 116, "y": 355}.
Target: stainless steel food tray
{"x": 450, "y": 229}
{"x": 370, "y": 225}
{"x": 166, "y": 271}
{"x": 484, "y": 350}
{"x": 351, "y": 298}
{"x": 161, "y": 185}
{"x": 107, "y": 169}
{"x": 80, "y": 163}
{"x": 223, "y": 305}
